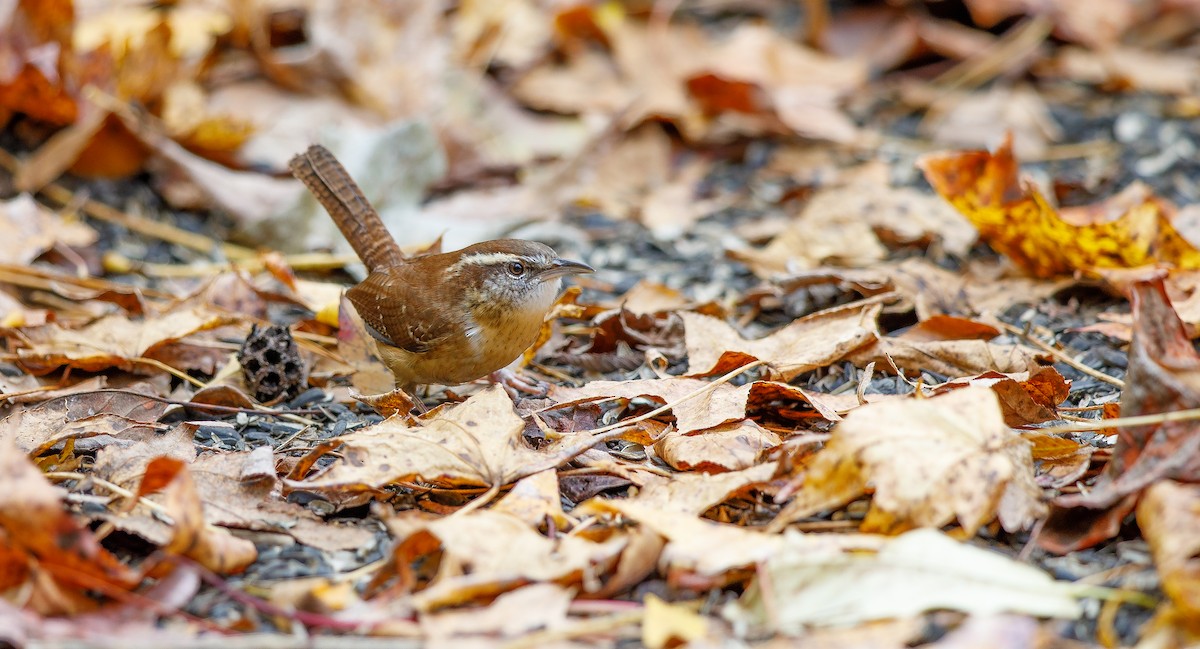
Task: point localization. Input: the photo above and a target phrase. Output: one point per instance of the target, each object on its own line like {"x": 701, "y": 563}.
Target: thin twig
{"x": 1138, "y": 420}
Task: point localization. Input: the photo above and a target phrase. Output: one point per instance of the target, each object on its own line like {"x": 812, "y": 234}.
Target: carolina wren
{"x": 444, "y": 318}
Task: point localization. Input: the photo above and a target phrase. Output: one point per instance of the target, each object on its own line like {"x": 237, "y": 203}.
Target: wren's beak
{"x": 560, "y": 267}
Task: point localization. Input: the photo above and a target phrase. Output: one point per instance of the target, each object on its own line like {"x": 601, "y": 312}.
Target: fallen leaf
{"x": 727, "y": 447}
{"x": 536, "y": 500}
{"x": 696, "y": 493}
{"x": 1133, "y": 228}
{"x": 1167, "y": 516}
{"x": 192, "y": 537}
{"x": 921, "y": 570}
{"x": 117, "y": 340}
{"x": 808, "y": 343}
{"x": 668, "y": 625}
{"x": 485, "y": 553}
{"x": 512, "y": 614}
{"x": 476, "y": 443}
{"x": 39, "y": 535}
{"x": 930, "y": 462}
{"x": 1025, "y": 397}
{"x": 722, "y": 404}
{"x": 708, "y": 554}
{"x": 947, "y": 357}
{"x": 1163, "y": 376}
{"x": 126, "y": 416}
{"x": 33, "y": 230}
{"x": 849, "y": 226}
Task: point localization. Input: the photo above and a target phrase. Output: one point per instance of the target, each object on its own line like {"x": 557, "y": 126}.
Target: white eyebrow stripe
{"x": 482, "y": 259}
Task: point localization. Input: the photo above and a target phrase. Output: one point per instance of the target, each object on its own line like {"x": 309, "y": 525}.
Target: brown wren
{"x": 444, "y": 318}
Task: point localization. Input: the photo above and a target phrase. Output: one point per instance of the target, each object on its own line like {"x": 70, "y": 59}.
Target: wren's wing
{"x": 414, "y": 324}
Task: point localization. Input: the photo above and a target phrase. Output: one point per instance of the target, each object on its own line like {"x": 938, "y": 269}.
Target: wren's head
{"x": 509, "y": 276}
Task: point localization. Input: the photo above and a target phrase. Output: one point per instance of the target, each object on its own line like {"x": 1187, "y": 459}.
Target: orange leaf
{"x": 1131, "y": 229}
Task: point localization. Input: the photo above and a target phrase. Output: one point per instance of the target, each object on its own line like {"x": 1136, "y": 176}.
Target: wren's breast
{"x": 502, "y": 339}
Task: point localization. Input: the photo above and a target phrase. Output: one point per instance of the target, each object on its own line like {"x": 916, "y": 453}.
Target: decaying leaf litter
{"x": 871, "y": 278}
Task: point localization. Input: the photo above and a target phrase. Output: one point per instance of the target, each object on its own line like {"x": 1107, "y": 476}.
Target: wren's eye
{"x": 516, "y": 268}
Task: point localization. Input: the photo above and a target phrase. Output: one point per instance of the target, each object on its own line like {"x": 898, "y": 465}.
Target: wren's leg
{"x": 517, "y": 385}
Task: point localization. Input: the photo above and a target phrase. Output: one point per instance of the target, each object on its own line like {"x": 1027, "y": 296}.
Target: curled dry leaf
{"x": 212, "y": 547}
{"x": 849, "y": 226}
{"x": 38, "y": 534}
{"x": 527, "y": 609}
{"x": 1163, "y": 376}
{"x": 947, "y": 357}
{"x": 701, "y": 553}
{"x": 695, "y": 493}
{"x": 1060, "y": 461}
{"x": 1167, "y": 516}
{"x": 727, "y": 447}
{"x": 483, "y": 553}
{"x": 1025, "y": 397}
{"x": 808, "y": 343}
{"x": 117, "y": 340}
{"x": 1131, "y": 229}
{"x": 723, "y": 404}
{"x": 536, "y": 500}
{"x": 930, "y": 461}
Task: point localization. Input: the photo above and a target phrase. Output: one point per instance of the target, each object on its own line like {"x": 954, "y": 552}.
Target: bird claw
{"x": 518, "y": 386}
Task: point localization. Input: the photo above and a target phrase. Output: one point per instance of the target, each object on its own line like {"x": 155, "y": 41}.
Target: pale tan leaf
{"x": 727, "y": 447}
{"x": 931, "y": 462}
{"x": 808, "y": 343}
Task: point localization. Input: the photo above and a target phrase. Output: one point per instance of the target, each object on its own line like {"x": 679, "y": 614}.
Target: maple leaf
{"x": 478, "y": 443}
{"x": 1131, "y": 229}
{"x": 930, "y": 461}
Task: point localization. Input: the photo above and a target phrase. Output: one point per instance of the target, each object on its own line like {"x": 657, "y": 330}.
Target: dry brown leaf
{"x": 117, "y": 340}
{"x": 1167, "y": 516}
{"x": 808, "y": 343}
{"x": 954, "y": 358}
{"x": 125, "y": 464}
{"x": 850, "y": 225}
{"x": 191, "y": 536}
{"x": 239, "y": 492}
{"x": 716, "y": 553}
{"x": 721, "y": 405}
{"x": 31, "y": 229}
{"x": 1127, "y": 67}
{"x": 728, "y": 447}
{"x": 536, "y": 500}
{"x": 981, "y": 119}
{"x": 476, "y": 443}
{"x": 518, "y": 612}
{"x": 1060, "y": 461}
{"x": 930, "y": 461}
{"x": 1163, "y": 376}
{"x": 1025, "y": 397}
{"x": 982, "y": 290}
{"x": 38, "y": 533}
{"x": 127, "y": 416}
{"x": 485, "y": 553}
{"x": 696, "y": 493}
{"x": 1098, "y": 24}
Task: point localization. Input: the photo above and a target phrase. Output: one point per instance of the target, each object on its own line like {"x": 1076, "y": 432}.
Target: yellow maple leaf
{"x": 1130, "y": 229}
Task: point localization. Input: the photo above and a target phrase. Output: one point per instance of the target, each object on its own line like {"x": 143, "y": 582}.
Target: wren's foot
{"x": 518, "y": 385}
